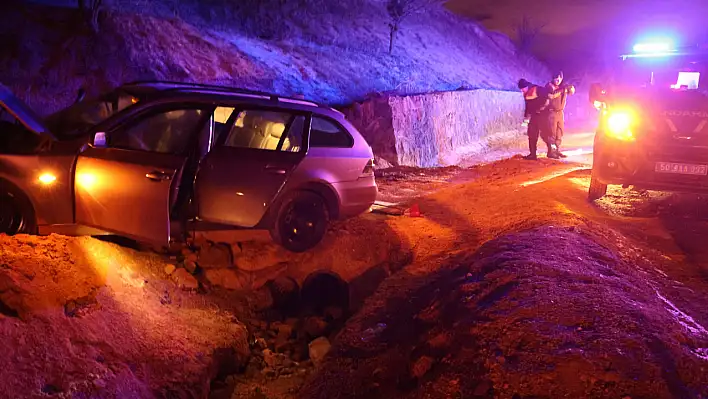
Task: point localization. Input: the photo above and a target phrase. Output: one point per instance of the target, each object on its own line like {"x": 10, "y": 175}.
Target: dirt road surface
{"x": 509, "y": 285}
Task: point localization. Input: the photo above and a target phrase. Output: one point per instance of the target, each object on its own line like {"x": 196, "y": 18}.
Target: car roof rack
{"x": 167, "y": 86}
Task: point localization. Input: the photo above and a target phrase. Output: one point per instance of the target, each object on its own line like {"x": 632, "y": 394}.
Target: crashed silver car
{"x": 153, "y": 160}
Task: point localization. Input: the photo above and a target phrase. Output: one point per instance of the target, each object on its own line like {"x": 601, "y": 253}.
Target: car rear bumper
{"x": 356, "y": 197}
{"x": 634, "y": 164}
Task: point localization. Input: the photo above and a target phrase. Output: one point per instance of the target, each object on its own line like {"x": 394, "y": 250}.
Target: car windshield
{"x": 681, "y": 72}
{"x": 76, "y": 119}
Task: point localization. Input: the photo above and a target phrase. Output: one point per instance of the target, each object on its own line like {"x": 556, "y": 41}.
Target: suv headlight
{"x": 619, "y": 125}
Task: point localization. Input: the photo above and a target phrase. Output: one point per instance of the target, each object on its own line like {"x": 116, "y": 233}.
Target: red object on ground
{"x": 415, "y": 211}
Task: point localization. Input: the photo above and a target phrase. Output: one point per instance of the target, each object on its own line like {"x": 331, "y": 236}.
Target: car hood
{"x": 22, "y": 112}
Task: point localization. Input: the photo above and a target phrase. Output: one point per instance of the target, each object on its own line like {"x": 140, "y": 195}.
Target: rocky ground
{"x": 508, "y": 285}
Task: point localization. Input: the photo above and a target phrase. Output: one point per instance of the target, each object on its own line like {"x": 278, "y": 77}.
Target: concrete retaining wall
{"x": 438, "y": 129}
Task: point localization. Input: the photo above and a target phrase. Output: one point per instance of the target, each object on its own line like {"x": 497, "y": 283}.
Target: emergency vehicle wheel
{"x": 597, "y": 189}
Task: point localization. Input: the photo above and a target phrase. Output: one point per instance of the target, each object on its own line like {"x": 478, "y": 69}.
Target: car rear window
{"x": 327, "y": 133}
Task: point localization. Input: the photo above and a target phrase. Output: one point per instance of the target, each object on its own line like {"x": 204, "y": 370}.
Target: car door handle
{"x": 276, "y": 170}
{"x": 157, "y": 176}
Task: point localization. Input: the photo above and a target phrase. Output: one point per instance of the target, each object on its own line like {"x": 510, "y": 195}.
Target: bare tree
{"x": 89, "y": 10}
{"x": 527, "y": 32}
{"x": 400, "y": 10}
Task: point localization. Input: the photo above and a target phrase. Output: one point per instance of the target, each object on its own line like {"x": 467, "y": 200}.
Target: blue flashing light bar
{"x": 653, "y": 48}
{"x": 650, "y": 55}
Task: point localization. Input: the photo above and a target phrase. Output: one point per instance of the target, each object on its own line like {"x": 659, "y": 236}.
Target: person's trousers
{"x": 537, "y": 125}
{"x": 556, "y": 122}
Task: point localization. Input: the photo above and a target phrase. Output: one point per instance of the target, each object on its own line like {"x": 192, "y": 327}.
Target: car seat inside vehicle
{"x": 273, "y": 132}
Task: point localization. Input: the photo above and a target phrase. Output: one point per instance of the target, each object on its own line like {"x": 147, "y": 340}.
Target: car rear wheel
{"x": 301, "y": 222}
{"x": 14, "y": 217}
{"x": 597, "y": 189}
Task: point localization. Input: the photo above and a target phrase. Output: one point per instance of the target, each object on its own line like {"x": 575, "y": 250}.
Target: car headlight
{"x": 619, "y": 125}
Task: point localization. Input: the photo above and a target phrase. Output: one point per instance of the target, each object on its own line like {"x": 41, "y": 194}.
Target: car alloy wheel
{"x": 302, "y": 222}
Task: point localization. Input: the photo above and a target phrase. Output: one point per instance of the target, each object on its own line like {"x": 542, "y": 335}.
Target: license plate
{"x": 681, "y": 168}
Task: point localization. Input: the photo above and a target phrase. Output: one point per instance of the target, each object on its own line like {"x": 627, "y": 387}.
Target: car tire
{"x": 597, "y": 189}
{"x": 16, "y": 217}
{"x": 301, "y": 221}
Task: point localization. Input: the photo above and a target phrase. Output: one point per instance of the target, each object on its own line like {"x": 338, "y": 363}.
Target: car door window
{"x": 167, "y": 132}
{"x": 267, "y": 130}
{"x": 221, "y": 120}
{"x": 327, "y": 133}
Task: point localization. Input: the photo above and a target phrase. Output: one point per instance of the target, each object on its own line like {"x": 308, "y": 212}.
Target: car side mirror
{"x": 100, "y": 140}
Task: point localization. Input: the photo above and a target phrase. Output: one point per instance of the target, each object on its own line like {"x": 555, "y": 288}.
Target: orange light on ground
{"x": 551, "y": 176}
{"x": 47, "y": 178}
{"x": 87, "y": 181}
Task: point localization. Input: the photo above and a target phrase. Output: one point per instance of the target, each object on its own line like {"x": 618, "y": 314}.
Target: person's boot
{"x": 553, "y": 152}
{"x": 531, "y": 157}
{"x": 560, "y": 154}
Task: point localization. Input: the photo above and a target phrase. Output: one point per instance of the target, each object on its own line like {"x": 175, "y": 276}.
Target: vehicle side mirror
{"x": 100, "y": 140}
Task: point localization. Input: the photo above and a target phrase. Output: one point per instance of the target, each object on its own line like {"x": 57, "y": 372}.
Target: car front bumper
{"x": 634, "y": 163}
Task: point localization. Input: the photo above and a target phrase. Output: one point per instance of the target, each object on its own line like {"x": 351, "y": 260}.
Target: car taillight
{"x": 368, "y": 169}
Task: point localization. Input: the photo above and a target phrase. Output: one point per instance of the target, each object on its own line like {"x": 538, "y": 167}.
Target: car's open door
{"x": 128, "y": 181}
{"x": 126, "y": 192}
{"x": 241, "y": 176}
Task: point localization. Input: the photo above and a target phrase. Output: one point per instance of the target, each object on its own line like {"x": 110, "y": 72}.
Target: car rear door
{"x": 129, "y": 187}
{"x": 251, "y": 161}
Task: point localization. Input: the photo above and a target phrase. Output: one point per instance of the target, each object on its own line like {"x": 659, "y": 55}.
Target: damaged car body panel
{"x": 152, "y": 157}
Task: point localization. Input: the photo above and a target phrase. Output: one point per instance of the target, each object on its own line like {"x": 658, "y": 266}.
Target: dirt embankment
{"x": 545, "y": 313}
{"x": 84, "y": 318}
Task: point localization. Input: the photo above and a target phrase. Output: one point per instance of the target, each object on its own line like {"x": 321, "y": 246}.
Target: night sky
{"x": 589, "y": 29}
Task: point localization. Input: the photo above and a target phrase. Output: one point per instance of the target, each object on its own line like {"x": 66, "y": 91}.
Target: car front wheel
{"x": 14, "y": 218}
{"x": 597, "y": 189}
{"x": 301, "y": 222}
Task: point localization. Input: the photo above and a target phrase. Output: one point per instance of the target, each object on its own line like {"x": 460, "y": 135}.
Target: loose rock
{"x": 215, "y": 256}
{"x": 191, "y": 266}
{"x": 318, "y": 350}
{"x": 184, "y": 280}
{"x": 282, "y": 340}
{"x": 315, "y": 326}
{"x": 226, "y": 278}
{"x": 169, "y": 269}
{"x": 439, "y": 341}
{"x": 422, "y": 366}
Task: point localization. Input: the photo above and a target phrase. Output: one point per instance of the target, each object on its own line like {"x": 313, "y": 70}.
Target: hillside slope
{"x": 327, "y": 52}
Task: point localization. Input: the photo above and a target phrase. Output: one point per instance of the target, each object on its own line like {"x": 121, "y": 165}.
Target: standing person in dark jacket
{"x": 558, "y": 97}
{"x": 536, "y": 115}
